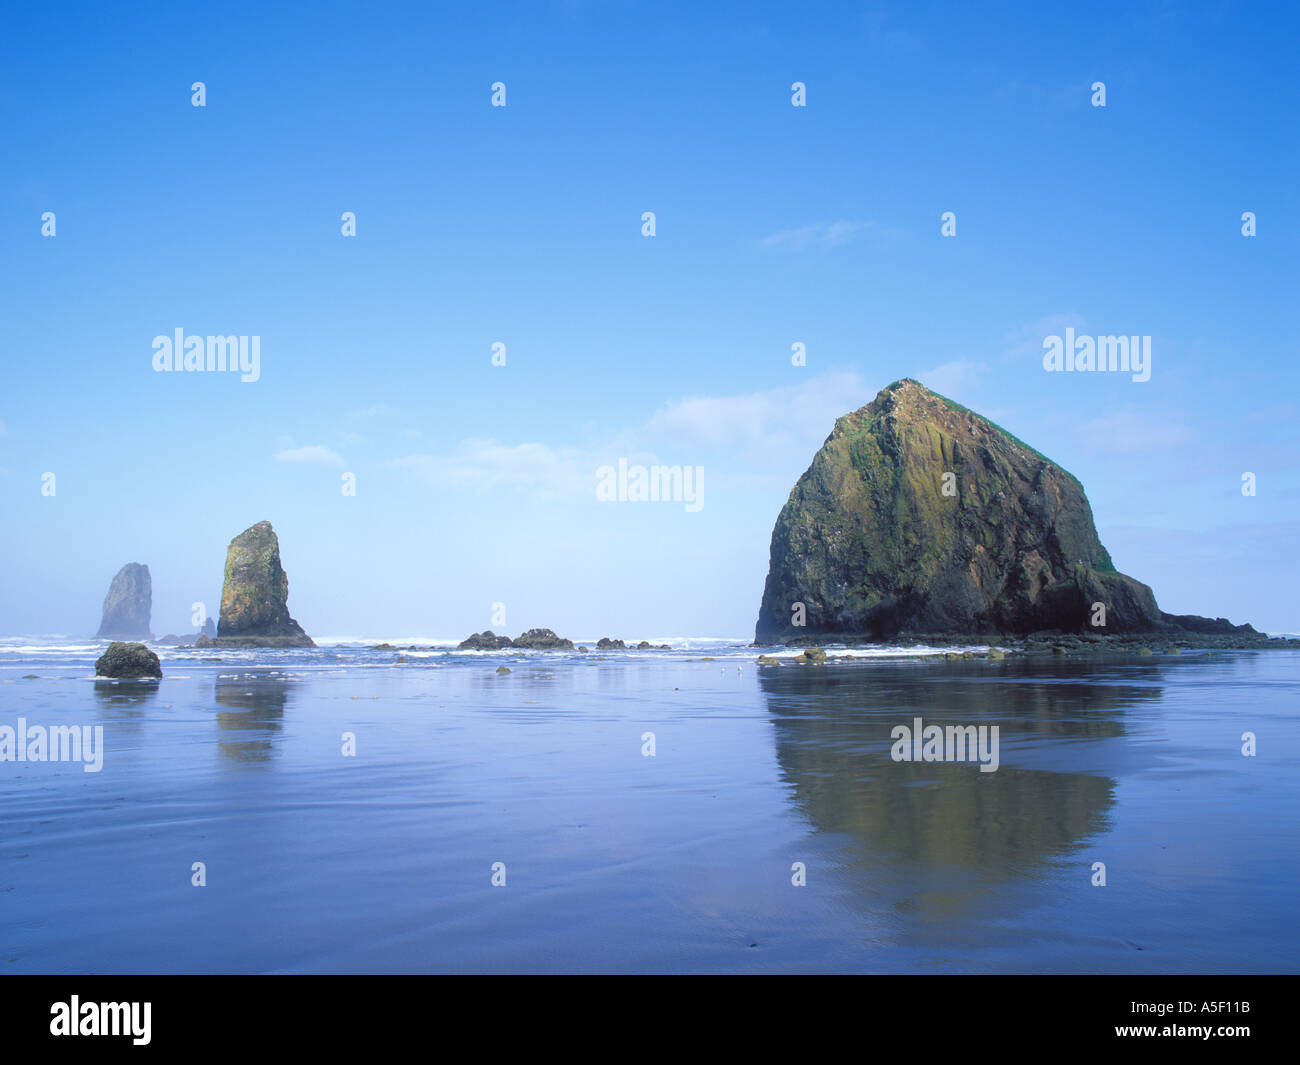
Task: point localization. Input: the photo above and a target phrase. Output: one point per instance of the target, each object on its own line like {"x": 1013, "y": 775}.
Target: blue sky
{"x": 522, "y": 225}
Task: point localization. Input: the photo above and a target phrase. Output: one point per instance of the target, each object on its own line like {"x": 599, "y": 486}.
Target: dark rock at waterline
{"x": 920, "y": 516}
{"x": 1081, "y": 643}
{"x": 172, "y": 640}
{"x": 542, "y": 640}
{"x": 255, "y": 595}
{"x": 606, "y": 644}
{"x": 257, "y": 641}
{"x": 128, "y": 605}
{"x": 484, "y": 641}
{"x": 1209, "y": 626}
{"x": 128, "y": 661}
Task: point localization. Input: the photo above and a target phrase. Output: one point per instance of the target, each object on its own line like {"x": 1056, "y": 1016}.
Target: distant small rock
{"x": 768, "y": 660}
{"x": 814, "y": 656}
{"x": 996, "y": 655}
{"x": 383, "y": 647}
{"x": 484, "y": 641}
{"x": 504, "y": 669}
{"x": 583, "y": 648}
{"x": 606, "y": 644}
{"x": 543, "y": 640}
{"x": 128, "y": 661}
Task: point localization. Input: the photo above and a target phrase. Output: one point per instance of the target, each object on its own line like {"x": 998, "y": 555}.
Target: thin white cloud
{"x": 312, "y": 453}
{"x": 1130, "y": 431}
{"x": 489, "y": 465}
{"x": 1027, "y": 340}
{"x": 379, "y": 410}
{"x": 781, "y": 425}
{"x": 795, "y": 416}
{"x": 884, "y": 35}
{"x": 824, "y": 235}
{"x": 951, "y": 378}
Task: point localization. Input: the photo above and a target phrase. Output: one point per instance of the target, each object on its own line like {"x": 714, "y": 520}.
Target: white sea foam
{"x": 400, "y": 642}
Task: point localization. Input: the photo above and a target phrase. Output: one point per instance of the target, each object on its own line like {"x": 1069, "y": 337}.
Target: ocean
{"x": 336, "y": 810}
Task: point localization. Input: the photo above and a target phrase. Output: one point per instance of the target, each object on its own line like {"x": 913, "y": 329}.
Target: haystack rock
{"x": 128, "y": 605}
{"x": 919, "y": 516}
{"x": 255, "y": 597}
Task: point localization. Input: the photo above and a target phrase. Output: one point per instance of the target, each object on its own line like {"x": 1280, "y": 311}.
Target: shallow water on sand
{"x": 615, "y": 861}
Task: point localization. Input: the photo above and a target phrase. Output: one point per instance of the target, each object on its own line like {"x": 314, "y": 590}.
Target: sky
{"x": 523, "y": 225}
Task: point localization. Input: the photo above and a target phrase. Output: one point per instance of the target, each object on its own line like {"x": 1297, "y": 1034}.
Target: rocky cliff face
{"x": 920, "y": 516}
{"x": 255, "y": 597}
{"x": 128, "y": 605}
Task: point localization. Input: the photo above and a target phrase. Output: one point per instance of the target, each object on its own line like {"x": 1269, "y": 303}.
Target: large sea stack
{"x": 918, "y": 516}
{"x": 255, "y": 596}
{"x": 128, "y": 605}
